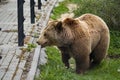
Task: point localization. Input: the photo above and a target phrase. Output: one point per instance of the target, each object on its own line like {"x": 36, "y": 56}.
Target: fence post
{"x": 20, "y": 22}
{"x": 39, "y": 4}
{"x": 32, "y": 4}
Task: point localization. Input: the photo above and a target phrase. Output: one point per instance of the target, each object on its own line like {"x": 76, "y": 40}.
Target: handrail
{"x": 21, "y": 18}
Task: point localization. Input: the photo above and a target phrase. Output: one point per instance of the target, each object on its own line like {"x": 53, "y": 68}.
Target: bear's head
{"x": 57, "y": 33}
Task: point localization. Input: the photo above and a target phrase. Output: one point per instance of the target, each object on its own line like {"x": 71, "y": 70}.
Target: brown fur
{"x": 86, "y": 39}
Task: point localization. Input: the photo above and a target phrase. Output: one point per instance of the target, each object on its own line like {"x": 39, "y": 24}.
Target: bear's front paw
{"x": 80, "y": 72}
{"x": 67, "y": 65}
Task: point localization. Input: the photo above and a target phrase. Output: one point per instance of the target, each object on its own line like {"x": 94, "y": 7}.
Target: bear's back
{"x": 97, "y": 28}
{"x": 94, "y": 22}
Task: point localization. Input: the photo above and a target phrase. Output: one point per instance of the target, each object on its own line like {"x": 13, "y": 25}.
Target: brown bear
{"x": 85, "y": 38}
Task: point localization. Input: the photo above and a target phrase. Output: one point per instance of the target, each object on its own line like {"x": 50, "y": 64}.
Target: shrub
{"x": 60, "y": 9}
{"x": 108, "y": 10}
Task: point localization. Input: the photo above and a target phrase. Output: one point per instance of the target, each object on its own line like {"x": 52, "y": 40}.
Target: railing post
{"x": 32, "y": 4}
{"x": 20, "y": 22}
{"x": 39, "y": 4}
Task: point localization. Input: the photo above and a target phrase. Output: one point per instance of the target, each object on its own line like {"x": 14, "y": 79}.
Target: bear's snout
{"x": 38, "y": 42}
{"x": 43, "y": 44}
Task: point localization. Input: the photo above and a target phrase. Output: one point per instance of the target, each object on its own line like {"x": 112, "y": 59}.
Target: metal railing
{"x": 21, "y": 18}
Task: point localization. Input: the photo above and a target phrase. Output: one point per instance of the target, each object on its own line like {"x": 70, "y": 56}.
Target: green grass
{"x": 114, "y": 43}
{"x": 108, "y": 10}
{"x": 107, "y": 70}
{"x": 60, "y": 9}
{"x": 55, "y": 70}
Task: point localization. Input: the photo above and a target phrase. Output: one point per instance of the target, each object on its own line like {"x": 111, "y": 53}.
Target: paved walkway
{"x": 17, "y": 63}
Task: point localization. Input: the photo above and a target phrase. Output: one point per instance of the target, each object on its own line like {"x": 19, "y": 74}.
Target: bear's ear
{"x": 58, "y": 26}
{"x": 70, "y": 22}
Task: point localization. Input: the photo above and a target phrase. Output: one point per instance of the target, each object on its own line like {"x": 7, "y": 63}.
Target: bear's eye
{"x": 45, "y": 34}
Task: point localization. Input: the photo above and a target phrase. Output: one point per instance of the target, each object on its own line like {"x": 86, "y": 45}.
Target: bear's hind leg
{"x": 100, "y": 51}
{"x": 96, "y": 59}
